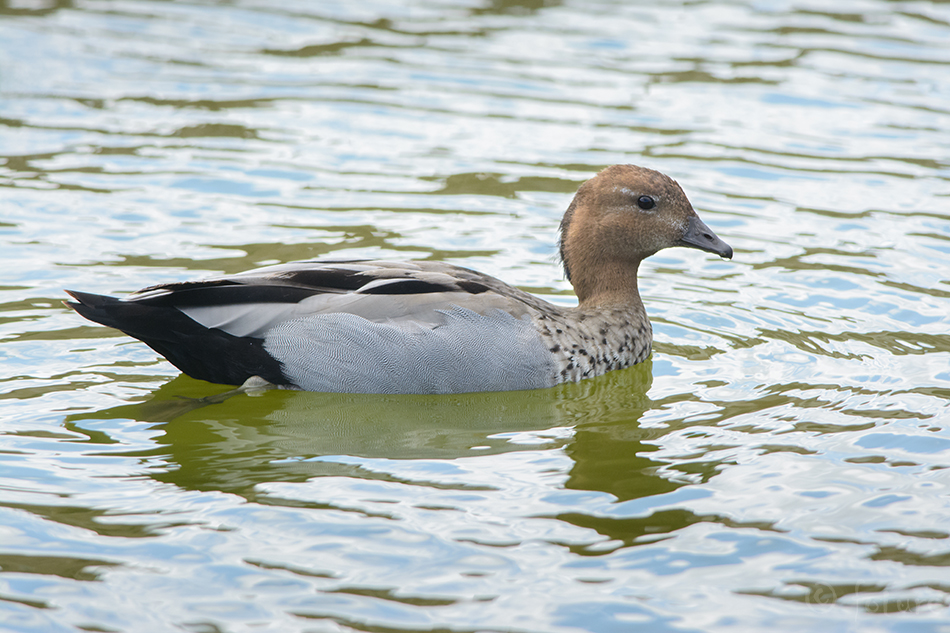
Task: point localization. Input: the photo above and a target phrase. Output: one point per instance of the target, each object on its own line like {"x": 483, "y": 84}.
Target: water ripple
{"x": 780, "y": 463}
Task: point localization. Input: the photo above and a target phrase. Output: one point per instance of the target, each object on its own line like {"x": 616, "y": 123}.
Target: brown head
{"x": 619, "y": 217}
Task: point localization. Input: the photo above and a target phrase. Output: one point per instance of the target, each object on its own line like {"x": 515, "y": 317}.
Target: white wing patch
{"x": 257, "y": 319}
{"x": 242, "y": 319}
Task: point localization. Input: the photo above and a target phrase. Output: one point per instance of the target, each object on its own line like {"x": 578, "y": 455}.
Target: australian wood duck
{"x": 365, "y": 326}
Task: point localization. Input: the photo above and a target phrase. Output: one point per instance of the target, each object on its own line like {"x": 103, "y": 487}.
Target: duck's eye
{"x": 646, "y": 202}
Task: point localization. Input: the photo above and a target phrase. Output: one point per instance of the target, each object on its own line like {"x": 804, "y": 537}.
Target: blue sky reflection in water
{"x": 780, "y": 463}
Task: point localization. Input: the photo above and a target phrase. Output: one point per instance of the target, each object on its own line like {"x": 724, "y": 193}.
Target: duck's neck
{"x": 613, "y": 286}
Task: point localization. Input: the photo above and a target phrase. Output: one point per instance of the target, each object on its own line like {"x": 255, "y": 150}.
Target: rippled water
{"x": 781, "y": 464}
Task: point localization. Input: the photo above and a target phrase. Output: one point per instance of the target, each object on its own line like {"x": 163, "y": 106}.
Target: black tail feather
{"x": 204, "y": 353}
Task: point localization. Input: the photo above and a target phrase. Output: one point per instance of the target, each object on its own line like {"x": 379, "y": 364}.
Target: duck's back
{"x": 353, "y": 326}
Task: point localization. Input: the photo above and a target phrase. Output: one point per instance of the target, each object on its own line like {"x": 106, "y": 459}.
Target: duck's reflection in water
{"x": 233, "y": 441}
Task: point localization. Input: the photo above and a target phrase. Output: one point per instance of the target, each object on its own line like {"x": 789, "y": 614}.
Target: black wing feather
{"x": 190, "y": 295}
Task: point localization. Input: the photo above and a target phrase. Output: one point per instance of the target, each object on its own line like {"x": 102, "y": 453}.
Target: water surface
{"x": 780, "y": 463}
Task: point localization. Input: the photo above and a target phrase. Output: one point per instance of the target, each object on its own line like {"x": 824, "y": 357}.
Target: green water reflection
{"x": 232, "y": 441}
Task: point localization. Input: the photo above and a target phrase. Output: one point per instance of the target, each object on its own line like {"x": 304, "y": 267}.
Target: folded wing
{"x": 354, "y": 326}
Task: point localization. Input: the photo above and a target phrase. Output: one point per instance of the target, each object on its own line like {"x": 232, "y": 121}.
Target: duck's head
{"x": 619, "y": 217}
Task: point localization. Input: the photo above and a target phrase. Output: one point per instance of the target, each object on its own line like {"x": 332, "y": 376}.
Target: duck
{"x": 425, "y": 327}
